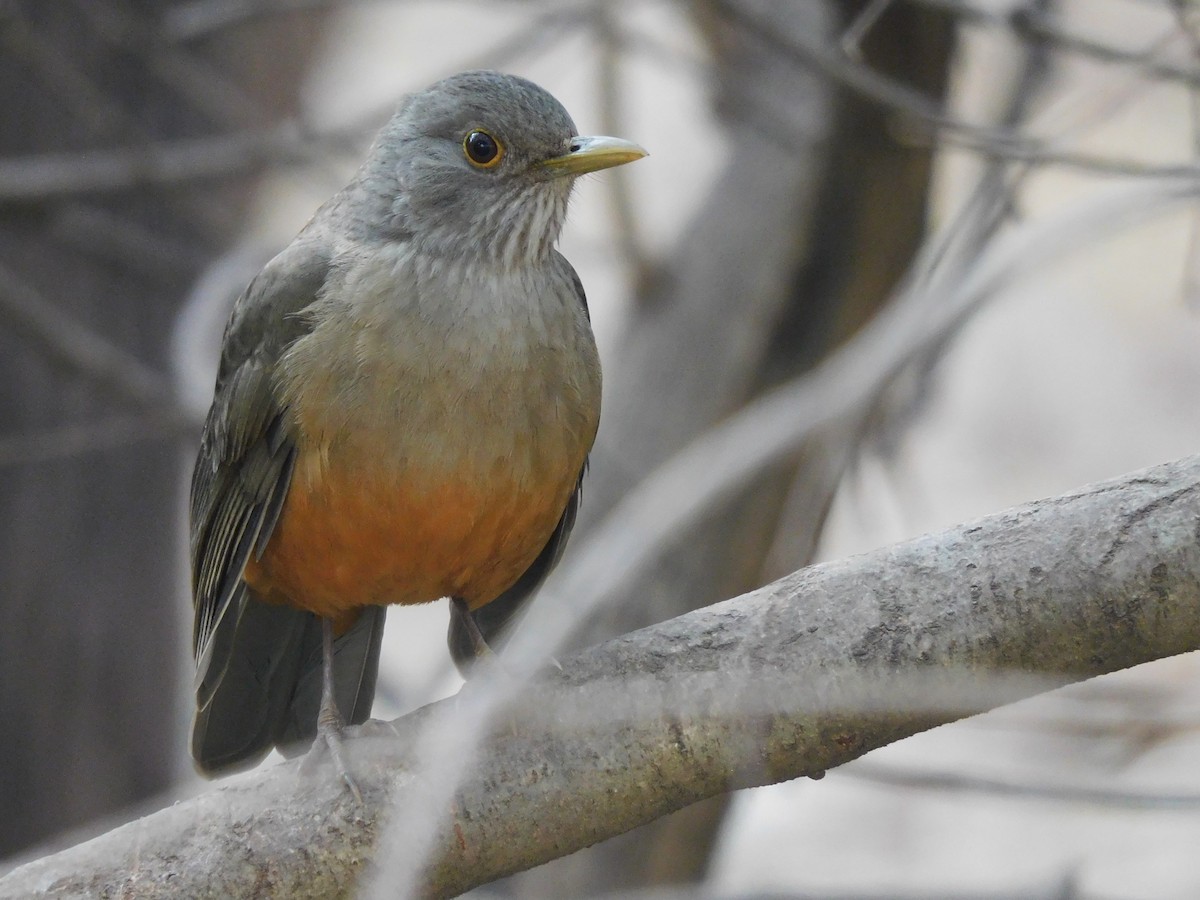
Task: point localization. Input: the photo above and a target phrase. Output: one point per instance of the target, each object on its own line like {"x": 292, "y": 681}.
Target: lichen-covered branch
{"x": 799, "y": 676}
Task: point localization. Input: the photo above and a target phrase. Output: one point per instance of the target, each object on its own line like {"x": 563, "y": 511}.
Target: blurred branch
{"x": 1046, "y": 28}
{"x": 612, "y": 120}
{"x": 104, "y": 116}
{"x": 702, "y": 476}
{"x": 73, "y": 343}
{"x": 79, "y": 439}
{"x": 206, "y": 86}
{"x": 202, "y": 18}
{"x": 805, "y": 674}
{"x": 1188, "y": 18}
{"x": 50, "y": 175}
{"x": 113, "y": 235}
{"x": 546, "y": 29}
{"x": 862, "y": 24}
{"x": 62, "y": 74}
{"x": 1061, "y": 889}
{"x": 291, "y": 142}
{"x": 928, "y": 114}
{"x": 1106, "y": 797}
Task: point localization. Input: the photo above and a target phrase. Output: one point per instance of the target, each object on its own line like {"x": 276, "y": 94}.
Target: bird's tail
{"x": 268, "y": 690}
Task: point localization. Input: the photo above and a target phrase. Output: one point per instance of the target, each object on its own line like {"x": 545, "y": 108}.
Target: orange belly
{"x": 347, "y": 538}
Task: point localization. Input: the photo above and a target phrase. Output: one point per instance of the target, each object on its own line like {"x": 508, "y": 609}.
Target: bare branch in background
{"x": 958, "y": 782}
{"x": 1189, "y": 24}
{"x": 867, "y": 19}
{"x": 625, "y": 228}
{"x": 292, "y": 142}
{"x": 74, "y": 344}
{"x": 202, "y": 18}
{"x": 52, "y": 175}
{"x": 63, "y": 77}
{"x": 204, "y": 85}
{"x": 721, "y": 461}
{"x": 1042, "y": 27}
{"x": 926, "y": 114}
{"x": 219, "y": 156}
{"x": 78, "y": 440}
{"x": 797, "y": 677}
{"x": 105, "y": 233}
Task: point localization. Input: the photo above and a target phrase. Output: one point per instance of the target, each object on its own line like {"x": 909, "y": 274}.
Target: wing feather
{"x": 247, "y": 451}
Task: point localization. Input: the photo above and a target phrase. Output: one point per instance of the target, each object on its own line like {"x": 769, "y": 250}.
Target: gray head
{"x": 479, "y": 166}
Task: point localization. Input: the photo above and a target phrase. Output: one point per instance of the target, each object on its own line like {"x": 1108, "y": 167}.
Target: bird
{"x": 405, "y": 402}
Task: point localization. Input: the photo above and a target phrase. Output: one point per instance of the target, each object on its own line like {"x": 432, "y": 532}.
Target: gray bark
{"x": 799, "y": 676}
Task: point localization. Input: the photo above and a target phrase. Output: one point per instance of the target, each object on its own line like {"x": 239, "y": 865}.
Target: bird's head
{"x": 480, "y": 166}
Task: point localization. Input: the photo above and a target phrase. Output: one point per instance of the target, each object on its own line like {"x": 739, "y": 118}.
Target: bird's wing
{"x": 576, "y": 282}
{"x": 258, "y": 664}
{"x": 247, "y": 451}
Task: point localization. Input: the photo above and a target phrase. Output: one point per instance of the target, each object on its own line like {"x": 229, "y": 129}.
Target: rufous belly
{"x": 347, "y": 537}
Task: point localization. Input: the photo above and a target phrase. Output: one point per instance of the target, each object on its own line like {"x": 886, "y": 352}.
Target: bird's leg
{"x": 330, "y": 723}
{"x": 479, "y": 645}
{"x": 462, "y": 614}
{"x": 483, "y": 652}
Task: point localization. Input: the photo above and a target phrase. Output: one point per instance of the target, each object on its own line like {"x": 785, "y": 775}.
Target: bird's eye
{"x": 483, "y": 150}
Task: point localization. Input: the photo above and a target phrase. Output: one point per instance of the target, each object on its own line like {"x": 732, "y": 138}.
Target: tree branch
{"x": 802, "y": 675}
{"x": 930, "y": 118}
{"x": 72, "y": 343}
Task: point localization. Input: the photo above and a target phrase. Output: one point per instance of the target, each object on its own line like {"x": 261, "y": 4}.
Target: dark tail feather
{"x": 269, "y": 691}
{"x": 355, "y": 669}
{"x": 242, "y": 704}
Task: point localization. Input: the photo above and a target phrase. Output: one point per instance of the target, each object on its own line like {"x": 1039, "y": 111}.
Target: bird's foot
{"x": 330, "y": 729}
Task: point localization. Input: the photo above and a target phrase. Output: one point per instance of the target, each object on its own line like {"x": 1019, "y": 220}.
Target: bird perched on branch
{"x": 406, "y": 399}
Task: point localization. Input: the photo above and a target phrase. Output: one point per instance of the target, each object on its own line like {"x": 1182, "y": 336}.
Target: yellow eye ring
{"x": 482, "y": 150}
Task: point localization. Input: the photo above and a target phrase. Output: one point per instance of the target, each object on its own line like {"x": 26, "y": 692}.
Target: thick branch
{"x": 799, "y": 676}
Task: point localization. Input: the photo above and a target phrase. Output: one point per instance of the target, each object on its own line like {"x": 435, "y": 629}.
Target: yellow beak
{"x": 591, "y": 154}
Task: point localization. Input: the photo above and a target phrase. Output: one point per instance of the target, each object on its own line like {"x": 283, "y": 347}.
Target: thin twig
{"x": 1188, "y": 17}
{"x": 625, "y": 228}
{"x": 74, "y": 344}
{"x": 51, "y": 175}
{"x": 75, "y": 440}
{"x": 866, "y": 20}
{"x": 1107, "y": 797}
{"x": 291, "y": 142}
{"x": 203, "y": 18}
{"x": 927, "y": 114}
{"x": 1048, "y": 28}
{"x": 109, "y": 233}
{"x": 206, "y": 87}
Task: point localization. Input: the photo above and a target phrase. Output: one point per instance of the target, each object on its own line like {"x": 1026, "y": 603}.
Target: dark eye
{"x": 483, "y": 150}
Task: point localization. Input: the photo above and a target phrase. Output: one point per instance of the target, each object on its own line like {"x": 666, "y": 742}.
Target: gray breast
{"x": 438, "y": 365}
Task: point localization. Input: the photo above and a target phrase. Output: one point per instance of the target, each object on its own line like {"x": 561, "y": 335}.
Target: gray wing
{"x": 256, "y": 662}
{"x": 246, "y": 451}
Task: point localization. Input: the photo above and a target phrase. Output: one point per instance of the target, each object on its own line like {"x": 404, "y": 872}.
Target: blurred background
{"x": 811, "y": 162}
